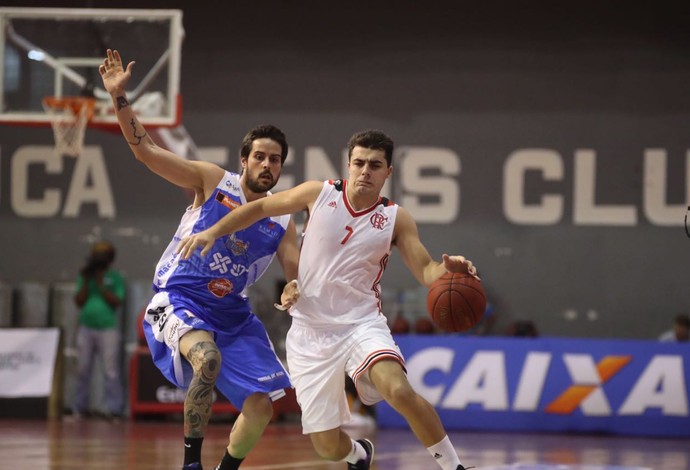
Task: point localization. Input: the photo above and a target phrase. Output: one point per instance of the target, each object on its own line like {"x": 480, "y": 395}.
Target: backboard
{"x": 56, "y": 52}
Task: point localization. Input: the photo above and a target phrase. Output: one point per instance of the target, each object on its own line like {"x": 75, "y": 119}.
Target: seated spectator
{"x": 424, "y": 326}
{"x": 680, "y": 332}
{"x": 523, "y": 328}
{"x": 400, "y": 325}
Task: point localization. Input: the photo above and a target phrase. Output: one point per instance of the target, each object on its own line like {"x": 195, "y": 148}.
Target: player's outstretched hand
{"x": 187, "y": 245}
{"x": 289, "y": 296}
{"x": 114, "y": 76}
{"x": 459, "y": 264}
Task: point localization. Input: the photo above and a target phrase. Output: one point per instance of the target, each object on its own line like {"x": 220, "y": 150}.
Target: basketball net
{"x": 68, "y": 117}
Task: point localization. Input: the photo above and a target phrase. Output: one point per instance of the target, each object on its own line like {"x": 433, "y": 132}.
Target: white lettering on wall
{"x": 421, "y": 364}
{"x": 550, "y": 209}
{"x": 655, "y": 185}
{"x": 583, "y": 371}
{"x": 48, "y": 203}
{"x": 443, "y": 188}
{"x": 89, "y": 183}
{"x": 425, "y": 180}
{"x": 532, "y": 381}
{"x": 318, "y": 166}
{"x": 482, "y": 381}
{"x": 585, "y": 210}
{"x": 661, "y": 385}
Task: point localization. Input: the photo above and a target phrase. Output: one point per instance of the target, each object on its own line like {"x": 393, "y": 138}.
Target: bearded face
{"x": 260, "y": 180}
{"x": 261, "y": 169}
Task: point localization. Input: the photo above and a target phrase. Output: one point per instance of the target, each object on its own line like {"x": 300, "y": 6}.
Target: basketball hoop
{"x": 68, "y": 117}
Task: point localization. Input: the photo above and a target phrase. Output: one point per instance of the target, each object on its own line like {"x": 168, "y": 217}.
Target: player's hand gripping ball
{"x": 456, "y": 302}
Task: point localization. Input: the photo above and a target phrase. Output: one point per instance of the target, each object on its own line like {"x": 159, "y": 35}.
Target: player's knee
{"x": 205, "y": 360}
{"x": 258, "y": 408}
{"x": 399, "y": 393}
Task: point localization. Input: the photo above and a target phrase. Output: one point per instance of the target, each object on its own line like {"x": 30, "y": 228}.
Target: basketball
{"x": 456, "y": 302}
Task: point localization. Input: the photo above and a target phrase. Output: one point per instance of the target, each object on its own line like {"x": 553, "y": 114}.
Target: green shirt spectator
{"x": 97, "y": 313}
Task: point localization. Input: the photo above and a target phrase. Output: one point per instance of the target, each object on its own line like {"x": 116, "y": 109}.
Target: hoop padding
{"x": 68, "y": 117}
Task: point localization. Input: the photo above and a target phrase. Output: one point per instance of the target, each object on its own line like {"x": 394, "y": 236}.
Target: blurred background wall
{"x": 548, "y": 143}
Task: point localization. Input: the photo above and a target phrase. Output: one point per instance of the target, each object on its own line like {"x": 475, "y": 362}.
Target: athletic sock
{"x": 357, "y": 453}
{"x": 445, "y": 455}
{"x": 192, "y": 449}
{"x": 229, "y": 462}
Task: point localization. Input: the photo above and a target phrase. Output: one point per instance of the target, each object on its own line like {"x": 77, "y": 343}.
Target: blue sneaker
{"x": 365, "y": 463}
{"x": 193, "y": 466}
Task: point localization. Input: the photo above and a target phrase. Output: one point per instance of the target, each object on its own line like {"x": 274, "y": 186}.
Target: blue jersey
{"x": 213, "y": 287}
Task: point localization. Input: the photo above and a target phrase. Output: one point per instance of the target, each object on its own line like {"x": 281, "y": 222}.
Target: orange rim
{"x": 75, "y": 103}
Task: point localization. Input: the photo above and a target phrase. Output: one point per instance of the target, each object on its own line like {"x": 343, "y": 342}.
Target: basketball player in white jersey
{"x": 337, "y": 324}
{"x": 199, "y": 325}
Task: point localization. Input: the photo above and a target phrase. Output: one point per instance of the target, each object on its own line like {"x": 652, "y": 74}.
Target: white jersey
{"x": 343, "y": 256}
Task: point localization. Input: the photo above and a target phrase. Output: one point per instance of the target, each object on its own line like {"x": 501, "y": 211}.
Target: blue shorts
{"x": 248, "y": 362}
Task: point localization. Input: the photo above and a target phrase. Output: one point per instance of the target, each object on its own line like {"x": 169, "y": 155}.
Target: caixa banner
{"x": 548, "y": 384}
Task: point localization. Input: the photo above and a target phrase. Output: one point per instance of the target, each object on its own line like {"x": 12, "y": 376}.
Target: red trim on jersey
{"x": 353, "y": 212}
{"x": 376, "y": 287}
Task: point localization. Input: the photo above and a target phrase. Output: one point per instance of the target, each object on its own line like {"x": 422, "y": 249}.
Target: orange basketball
{"x": 456, "y": 302}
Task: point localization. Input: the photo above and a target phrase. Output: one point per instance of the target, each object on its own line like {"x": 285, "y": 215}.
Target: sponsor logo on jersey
{"x": 332, "y": 204}
{"x": 269, "y": 228}
{"x": 233, "y": 186}
{"x": 378, "y": 220}
{"x": 172, "y": 331}
{"x": 272, "y": 376}
{"x": 220, "y": 287}
{"x": 166, "y": 267}
{"x": 227, "y": 201}
{"x": 238, "y": 269}
{"x": 236, "y": 246}
{"x": 220, "y": 263}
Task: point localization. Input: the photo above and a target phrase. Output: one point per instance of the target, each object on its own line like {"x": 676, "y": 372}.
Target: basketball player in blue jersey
{"x": 337, "y": 323}
{"x": 199, "y": 325}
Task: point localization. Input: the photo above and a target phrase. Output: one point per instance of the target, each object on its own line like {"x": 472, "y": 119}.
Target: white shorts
{"x": 318, "y": 360}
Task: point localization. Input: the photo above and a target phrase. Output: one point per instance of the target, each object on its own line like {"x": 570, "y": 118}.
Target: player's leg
{"x": 257, "y": 412}
{"x": 251, "y": 377}
{"x": 336, "y": 445}
{"x": 376, "y": 366}
{"x": 110, "y": 352}
{"x": 199, "y": 349}
{"x": 390, "y": 380}
{"x": 188, "y": 357}
{"x": 316, "y": 359}
{"x": 86, "y": 344}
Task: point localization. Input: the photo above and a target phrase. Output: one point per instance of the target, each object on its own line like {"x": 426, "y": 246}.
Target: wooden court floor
{"x": 157, "y": 445}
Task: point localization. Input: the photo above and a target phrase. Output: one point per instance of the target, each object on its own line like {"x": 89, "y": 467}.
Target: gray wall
{"x": 549, "y": 146}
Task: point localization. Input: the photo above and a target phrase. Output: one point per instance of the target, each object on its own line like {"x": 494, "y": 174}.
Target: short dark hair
{"x": 104, "y": 249}
{"x": 264, "y": 131}
{"x": 683, "y": 319}
{"x": 372, "y": 139}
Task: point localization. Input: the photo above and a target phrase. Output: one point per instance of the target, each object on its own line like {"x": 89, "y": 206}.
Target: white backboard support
{"x": 56, "y": 52}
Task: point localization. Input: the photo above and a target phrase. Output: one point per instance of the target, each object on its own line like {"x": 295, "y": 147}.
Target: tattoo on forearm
{"x": 133, "y": 123}
{"x": 205, "y": 360}
{"x": 121, "y": 102}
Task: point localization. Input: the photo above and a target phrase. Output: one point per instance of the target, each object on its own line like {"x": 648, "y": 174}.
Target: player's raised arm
{"x": 285, "y": 202}
{"x": 201, "y": 176}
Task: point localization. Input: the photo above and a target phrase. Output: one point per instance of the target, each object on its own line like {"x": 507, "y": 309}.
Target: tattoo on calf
{"x": 205, "y": 360}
